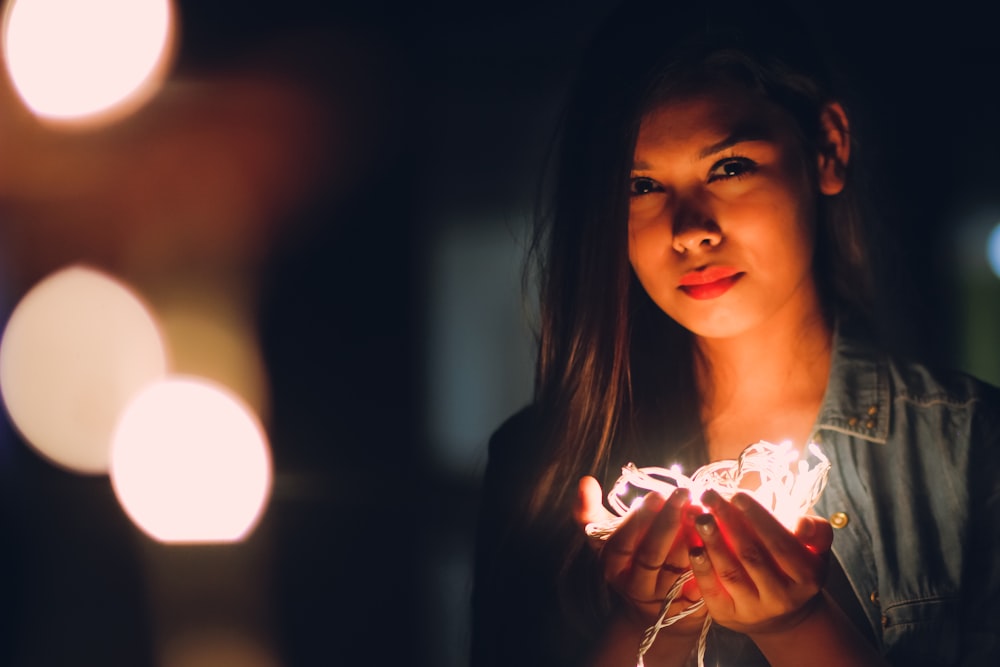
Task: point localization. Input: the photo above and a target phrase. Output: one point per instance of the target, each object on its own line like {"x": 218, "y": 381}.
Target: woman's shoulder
{"x": 950, "y": 405}
{"x": 524, "y": 422}
{"x": 517, "y": 438}
{"x": 877, "y": 395}
{"x": 923, "y": 384}
{"x": 865, "y": 363}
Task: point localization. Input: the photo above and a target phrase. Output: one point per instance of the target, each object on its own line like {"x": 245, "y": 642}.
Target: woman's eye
{"x": 643, "y": 186}
{"x": 734, "y": 167}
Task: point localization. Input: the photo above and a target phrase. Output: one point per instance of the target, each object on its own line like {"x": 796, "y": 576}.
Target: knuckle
{"x": 635, "y": 591}
{"x": 813, "y": 583}
{"x": 647, "y": 558}
{"x": 732, "y": 575}
{"x": 751, "y": 554}
{"x": 614, "y": 573}
{"x": 782, "y": 548}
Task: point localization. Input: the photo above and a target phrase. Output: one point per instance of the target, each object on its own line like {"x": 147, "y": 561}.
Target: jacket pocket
{"x": 922, "y": 632}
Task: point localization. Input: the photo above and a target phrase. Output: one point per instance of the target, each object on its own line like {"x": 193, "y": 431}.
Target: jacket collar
{"x": 857, "y": 400}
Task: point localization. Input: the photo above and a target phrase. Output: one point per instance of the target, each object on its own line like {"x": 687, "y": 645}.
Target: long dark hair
{"x": 615, "y": 375}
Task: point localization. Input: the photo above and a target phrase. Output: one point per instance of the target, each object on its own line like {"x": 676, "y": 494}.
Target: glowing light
{"x": 190, "y": 463}
{"x": 213, "y": 335}
{"x": 993, "y": 250}
{"x": 77, "y": 347}
{"x": 776, "y": 476}
{"x": 70, "y": 59}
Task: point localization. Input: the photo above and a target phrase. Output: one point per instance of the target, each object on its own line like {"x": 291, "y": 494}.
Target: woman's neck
{"x": 765, "y": 384}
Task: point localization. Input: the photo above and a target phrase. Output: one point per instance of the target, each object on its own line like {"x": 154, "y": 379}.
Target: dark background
{"x": 394, "y": 333}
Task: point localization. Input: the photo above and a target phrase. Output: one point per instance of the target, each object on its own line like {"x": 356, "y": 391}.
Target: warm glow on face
{"x": 190, "y": 463}
{"x": 77, "y": 347}
{"x": 76, "y": 59}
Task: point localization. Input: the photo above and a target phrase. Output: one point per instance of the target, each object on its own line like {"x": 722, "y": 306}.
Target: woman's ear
{"x": 834, "y": 148}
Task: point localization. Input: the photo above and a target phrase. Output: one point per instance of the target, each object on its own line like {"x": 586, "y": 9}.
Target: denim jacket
{"x": 913, "y": 494}
{"x": 914, "y": 499}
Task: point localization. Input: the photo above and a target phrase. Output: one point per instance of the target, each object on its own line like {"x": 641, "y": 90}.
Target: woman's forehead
{"x": 725, "y": 113}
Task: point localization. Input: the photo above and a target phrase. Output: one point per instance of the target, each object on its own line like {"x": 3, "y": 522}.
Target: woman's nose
{"x": 695, "y": 229}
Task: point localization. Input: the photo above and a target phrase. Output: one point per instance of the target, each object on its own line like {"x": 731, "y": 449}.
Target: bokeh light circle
{"x": 80, "y": 59}
{"x": 993, "y": 250}
{"x": 190, "y": 462}
{"x": 75, "y": 350}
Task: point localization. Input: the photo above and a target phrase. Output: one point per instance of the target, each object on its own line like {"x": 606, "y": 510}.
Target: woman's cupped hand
{"x": 755, "y": 575}
{"x": 647, "y": 553}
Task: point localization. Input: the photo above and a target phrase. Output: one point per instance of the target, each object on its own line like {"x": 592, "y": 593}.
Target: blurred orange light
{"x": 190, "y": 463}
{"x": 218, "y": 646}
{"x": 93, "y": 60}
{"x": 76, "y": 348}
{"x": 212, "y": 335}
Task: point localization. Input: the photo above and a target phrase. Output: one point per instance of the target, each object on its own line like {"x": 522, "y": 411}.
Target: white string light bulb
{"x": 779, "y": 477}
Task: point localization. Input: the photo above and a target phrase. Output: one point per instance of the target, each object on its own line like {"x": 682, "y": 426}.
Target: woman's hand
{"x": 646, "y": 554}
{"x": 756, "y": 576}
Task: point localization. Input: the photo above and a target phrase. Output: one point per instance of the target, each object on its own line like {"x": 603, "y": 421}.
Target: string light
{"x": 779, "y": 477}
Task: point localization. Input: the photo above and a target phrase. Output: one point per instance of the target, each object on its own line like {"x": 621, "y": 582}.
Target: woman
{"x": 706, "y": 284}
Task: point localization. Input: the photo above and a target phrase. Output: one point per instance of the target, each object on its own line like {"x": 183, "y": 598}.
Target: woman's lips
{"x": 709, "y": 283}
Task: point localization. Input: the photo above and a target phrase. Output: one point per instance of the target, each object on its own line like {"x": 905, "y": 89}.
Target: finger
{"x": 797, "y": 562}
{"x": 620, "y": 548}
{"x": 589, "y": 506}
{"x": 815, "y": 533}
{"x": 650, "y": 562}
{"x": 686, "y": 538}
{"x": 717, "y": 599}
{"x": 691, "y": 513}
{"x": 677, "y": 561}
{"x": 663, "y": 531}
{"x": 737, "y": 560}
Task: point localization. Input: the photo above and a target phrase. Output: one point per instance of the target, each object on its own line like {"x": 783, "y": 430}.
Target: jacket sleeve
{"x": 981, "y": 617}
{"x": 506, "y": 582}
{"x": 518, "y": 616}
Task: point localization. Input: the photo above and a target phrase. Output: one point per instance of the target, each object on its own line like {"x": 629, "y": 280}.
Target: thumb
{"x": 589, "y": 507}
{"x": 816, "y": 533}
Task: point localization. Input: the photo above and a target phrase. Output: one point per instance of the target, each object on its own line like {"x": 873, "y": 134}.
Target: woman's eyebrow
{"x": 750, "y": 132}
{"x": 740, "y": 135}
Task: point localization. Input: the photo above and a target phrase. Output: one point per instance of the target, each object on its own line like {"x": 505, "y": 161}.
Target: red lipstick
{"x": 710, "y": 282}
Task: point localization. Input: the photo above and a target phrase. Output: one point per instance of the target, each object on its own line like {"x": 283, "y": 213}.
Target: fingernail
{"x": 705, "y": 523}
{"x": 679, "y": 496}
{"x": 655, "y": 499}
{"x": 710, "y": 497}
{"x": 742, "y": 501}
{"x": 652, "y": 500}
{"x": 697, "y": 555}
{"x": 692, "y": 512}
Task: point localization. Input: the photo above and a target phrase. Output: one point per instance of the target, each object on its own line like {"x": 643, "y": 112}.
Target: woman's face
{"x": 722, "y": 214}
